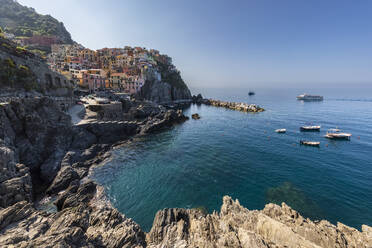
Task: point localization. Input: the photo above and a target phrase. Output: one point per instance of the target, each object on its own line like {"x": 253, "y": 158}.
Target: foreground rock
{"x": 81, "y": 223}
{"x": 236, "y": 226}
{"x": 85, "y": 220}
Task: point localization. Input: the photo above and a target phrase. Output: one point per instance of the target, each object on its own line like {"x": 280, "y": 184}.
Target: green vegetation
{"x": 1, "y": 33}
{"x": 15, "y": 76}
{"x": 23, "y": 21}
{"x": 21, "y": 49}
{"x": 41, "y": 53}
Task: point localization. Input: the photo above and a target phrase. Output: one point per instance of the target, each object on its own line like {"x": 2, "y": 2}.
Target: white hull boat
{"x": 282, "y": 130}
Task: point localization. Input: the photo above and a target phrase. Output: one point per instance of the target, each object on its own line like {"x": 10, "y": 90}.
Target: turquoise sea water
{"x": 238, "y": 154}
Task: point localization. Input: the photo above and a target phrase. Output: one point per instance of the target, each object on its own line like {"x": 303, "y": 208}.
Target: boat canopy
{"x": 334, "y": 130}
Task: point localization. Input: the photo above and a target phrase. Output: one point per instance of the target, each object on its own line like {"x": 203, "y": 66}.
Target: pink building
{"x": 133, "y": 84}
{"x": 93, "y": 81}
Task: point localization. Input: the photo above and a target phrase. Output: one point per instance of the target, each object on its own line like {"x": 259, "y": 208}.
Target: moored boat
{"x": 307, "y": 97}
{"x": 282, "y": 130}
{"x": 337, "y": 134}
{"x": 309, "y": 143}
{"x": 310, "y": 128}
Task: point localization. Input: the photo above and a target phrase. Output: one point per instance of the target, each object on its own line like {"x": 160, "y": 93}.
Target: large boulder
{"x": 15, "y": 179}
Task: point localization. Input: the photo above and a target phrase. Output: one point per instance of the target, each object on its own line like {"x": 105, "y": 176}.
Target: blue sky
{"x": 216, "y": 44}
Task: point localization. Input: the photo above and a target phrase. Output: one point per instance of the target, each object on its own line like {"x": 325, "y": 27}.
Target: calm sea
{"x": 238, "y": 154}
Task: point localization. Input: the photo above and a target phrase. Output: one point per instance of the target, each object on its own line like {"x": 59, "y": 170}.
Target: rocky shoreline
{"x": 43, "y": 154}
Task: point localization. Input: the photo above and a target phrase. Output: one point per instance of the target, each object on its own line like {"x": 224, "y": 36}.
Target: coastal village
{"x": 120, "y": 69}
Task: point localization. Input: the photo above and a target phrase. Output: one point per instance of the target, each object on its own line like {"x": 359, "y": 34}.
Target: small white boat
{"x": 310, "y": 128}
{"x": 309, "y": 143}
{"x": 282, "y": 130}
{"x": 337, "y": 134}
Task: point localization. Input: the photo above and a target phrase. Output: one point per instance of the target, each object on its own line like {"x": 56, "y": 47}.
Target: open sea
{"x": 234, "y": 153}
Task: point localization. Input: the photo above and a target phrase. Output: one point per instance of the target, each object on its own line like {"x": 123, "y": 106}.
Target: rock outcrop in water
{"x": 234, "y": 105}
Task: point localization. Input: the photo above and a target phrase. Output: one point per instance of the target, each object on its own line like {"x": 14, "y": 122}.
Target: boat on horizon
{"x": 307, "y": 97}
{"x": 251, "y": 93}
{"x": 310, "y": 128}
{"x": 337, "y": 134}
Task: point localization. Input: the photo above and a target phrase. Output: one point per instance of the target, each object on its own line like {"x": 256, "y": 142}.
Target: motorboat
{"x": 337, "y": 134}
{"x": 309, "y": 143}
{"x": 310, "y": 128}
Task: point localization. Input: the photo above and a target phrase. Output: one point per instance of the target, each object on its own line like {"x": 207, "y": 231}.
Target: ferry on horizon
{"x": 307, "y": 97}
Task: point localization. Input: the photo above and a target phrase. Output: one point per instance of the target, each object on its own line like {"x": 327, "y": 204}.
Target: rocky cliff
{"x": 163, "y": 92}
{"x": 43, "y": 155}
{"x": 170, "y": 88}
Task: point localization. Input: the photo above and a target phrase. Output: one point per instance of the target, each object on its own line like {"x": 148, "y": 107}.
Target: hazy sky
{"x": 231, "y": 43}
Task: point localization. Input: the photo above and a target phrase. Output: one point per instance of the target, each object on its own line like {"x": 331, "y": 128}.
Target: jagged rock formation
{"x": 236, "y": 226}
{"x": 82, "y": 222}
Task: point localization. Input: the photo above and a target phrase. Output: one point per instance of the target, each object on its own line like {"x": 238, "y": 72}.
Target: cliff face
{"x": 163, "y": 92}
{"x": 169, "y": 89}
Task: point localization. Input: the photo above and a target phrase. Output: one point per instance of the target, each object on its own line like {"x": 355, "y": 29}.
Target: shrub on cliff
{"x": 15, "y": 76}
